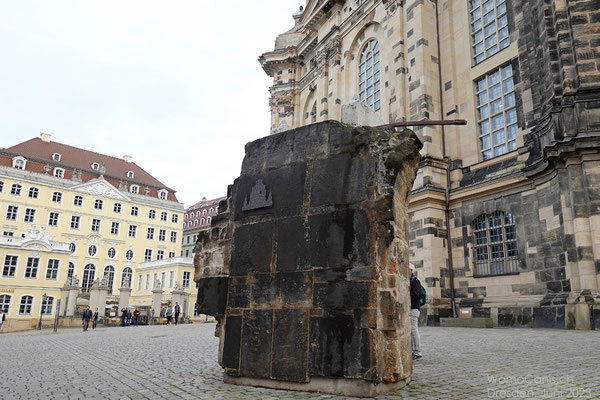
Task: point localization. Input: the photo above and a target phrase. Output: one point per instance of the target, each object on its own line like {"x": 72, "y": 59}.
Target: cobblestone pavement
{"x": 179, "y": 362}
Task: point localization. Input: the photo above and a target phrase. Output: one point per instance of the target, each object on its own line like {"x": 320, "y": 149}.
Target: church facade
{"x": 505, "y": 211}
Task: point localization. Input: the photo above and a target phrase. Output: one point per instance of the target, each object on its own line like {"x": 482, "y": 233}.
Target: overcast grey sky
{"x": 175, "y": 84}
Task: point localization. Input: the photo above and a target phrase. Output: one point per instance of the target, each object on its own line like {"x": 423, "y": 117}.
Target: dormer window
{"x": 59, "y": 172}
{"x": 95, "y": 166}
{"x": 56, "y": 157}
{"x": 130, "y": 174}
{"x": 162, "y": 194}
{"x": 19, "y": 162}
{"x": 134, "y": 189}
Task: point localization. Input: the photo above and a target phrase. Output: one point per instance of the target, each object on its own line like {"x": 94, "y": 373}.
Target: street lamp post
{"x": 44, "y": 297}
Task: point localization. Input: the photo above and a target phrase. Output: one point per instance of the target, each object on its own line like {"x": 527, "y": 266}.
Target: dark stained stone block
{"x": 342, "y": 348}
{"x": 256, "y": 344}
{"x": 292, "y": 247}
{"x": 344, "y": 294}
{"x": 238, "y": 296}
{"x": 296, "y": 289}
{"x": 265, "y": 291}
{"x": 327, "y": 338}
{"x": 252, "y": 249}
{"x": 339, "y": 239}
{"x": 339, "y": 179}
{"x": 231, "y": 347}
{"x": 290, "y": 346}
{"x": 546, "y": 317}
{"x": 286, "y": 188}
{"x": 212, "y": 295}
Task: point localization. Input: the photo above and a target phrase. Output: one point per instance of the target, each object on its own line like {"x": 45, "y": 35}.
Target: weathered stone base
{"x": 344, "y": 386}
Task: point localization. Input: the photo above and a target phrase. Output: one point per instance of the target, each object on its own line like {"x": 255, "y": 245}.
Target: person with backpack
{"x": 418, "y": 297}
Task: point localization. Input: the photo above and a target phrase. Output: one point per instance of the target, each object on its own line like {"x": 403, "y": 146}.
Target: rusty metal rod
{"x": 426, "y": 123}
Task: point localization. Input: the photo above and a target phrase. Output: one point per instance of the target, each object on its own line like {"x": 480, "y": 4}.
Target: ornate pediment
{"x": 99, "y": 187}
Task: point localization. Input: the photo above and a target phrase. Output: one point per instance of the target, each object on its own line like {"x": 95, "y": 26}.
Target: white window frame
{"x": 57, "y": 197}
{"x": 370, "y": 60}
{"x": 96, "y": 223}
{"x": 32, "y": 270}
{"x": 12, "y": 269}
{"x": 32, "y": 297}
{"x": 29, "y": 216}
{"x": 53, "y": 221}
{"x": 47, "y": 305}
{"x": 59, "y": 172}
{"x": 75, "y": 222}
{"x": 16, "y": 189}
{"x": 33, "y": 192}
{"x": 19, "y": 162}
{"x": 53, "y": 269}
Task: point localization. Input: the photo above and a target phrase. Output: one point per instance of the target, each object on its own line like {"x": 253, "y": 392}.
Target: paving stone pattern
{"x": 180, "y": 362}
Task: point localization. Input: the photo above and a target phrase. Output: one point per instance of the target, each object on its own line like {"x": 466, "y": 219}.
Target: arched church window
{"x": 369, "y": 75}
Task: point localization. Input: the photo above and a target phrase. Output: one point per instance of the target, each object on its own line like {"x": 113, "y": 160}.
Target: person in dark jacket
{"x": 415, "y": 312}
{"x": 123, "y": 316}
{"x": 85, "y": 319}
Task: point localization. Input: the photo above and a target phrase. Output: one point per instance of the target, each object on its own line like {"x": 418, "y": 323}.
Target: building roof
{"x": 195, "y": 219}
{"x": 205, "y": 203}
{"x": 74, "y": 157}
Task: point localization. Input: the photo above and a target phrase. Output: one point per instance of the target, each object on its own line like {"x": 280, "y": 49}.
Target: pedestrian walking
{"x": 95, "y": 318}
{"x": 177, "y": 310}
{"x": 416, "y": 296}
{"x": 85, "y": 319}
{"x": 136, "y": 317}
{"x": 128, "y": 317}
{"x": 169, "y": 314}
{"x": 2, "y": 318}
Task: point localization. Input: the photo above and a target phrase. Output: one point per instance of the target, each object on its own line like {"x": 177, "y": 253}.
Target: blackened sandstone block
{"x": 314, "y": 240}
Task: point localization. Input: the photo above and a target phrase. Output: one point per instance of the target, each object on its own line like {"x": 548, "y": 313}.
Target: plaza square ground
{"x": 180, "y": 362}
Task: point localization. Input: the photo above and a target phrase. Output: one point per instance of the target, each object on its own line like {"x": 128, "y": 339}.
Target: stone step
{"x": 467, "y": 322}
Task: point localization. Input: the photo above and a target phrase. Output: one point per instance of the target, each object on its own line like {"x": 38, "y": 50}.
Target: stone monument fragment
{"x": 305, "y": 266}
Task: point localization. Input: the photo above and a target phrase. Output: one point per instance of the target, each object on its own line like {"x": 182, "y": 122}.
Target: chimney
{"x": 45, "y": 137}
{"x": 127, "y": 159}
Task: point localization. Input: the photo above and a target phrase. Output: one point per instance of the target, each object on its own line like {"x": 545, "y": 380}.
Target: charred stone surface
{"x": 306, "y": 264}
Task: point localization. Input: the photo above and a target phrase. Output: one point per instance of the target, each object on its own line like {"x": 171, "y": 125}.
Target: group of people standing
{"x": 93, "y": 317}
{"x": 126, "y": 316}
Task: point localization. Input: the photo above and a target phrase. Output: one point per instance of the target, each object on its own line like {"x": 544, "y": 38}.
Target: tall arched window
{"x": 313, "y": 113}
{"x": 495, "y": 244}
{"x": 109, "y": 274}
{"x": 369, "y": 75}
{"x": 126, "y": 277}
{"x": 71, "y": 270}
{"x": 89, "y": 271}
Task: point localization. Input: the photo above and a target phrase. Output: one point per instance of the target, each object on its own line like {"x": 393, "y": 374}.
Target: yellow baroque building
{"x": 69, "y": 212}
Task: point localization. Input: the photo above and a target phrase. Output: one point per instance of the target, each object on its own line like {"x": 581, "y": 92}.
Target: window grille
{"x": 495, "y": 244}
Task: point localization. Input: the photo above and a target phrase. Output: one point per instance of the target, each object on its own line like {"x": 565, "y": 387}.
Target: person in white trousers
{"x": 415, "y": 312}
